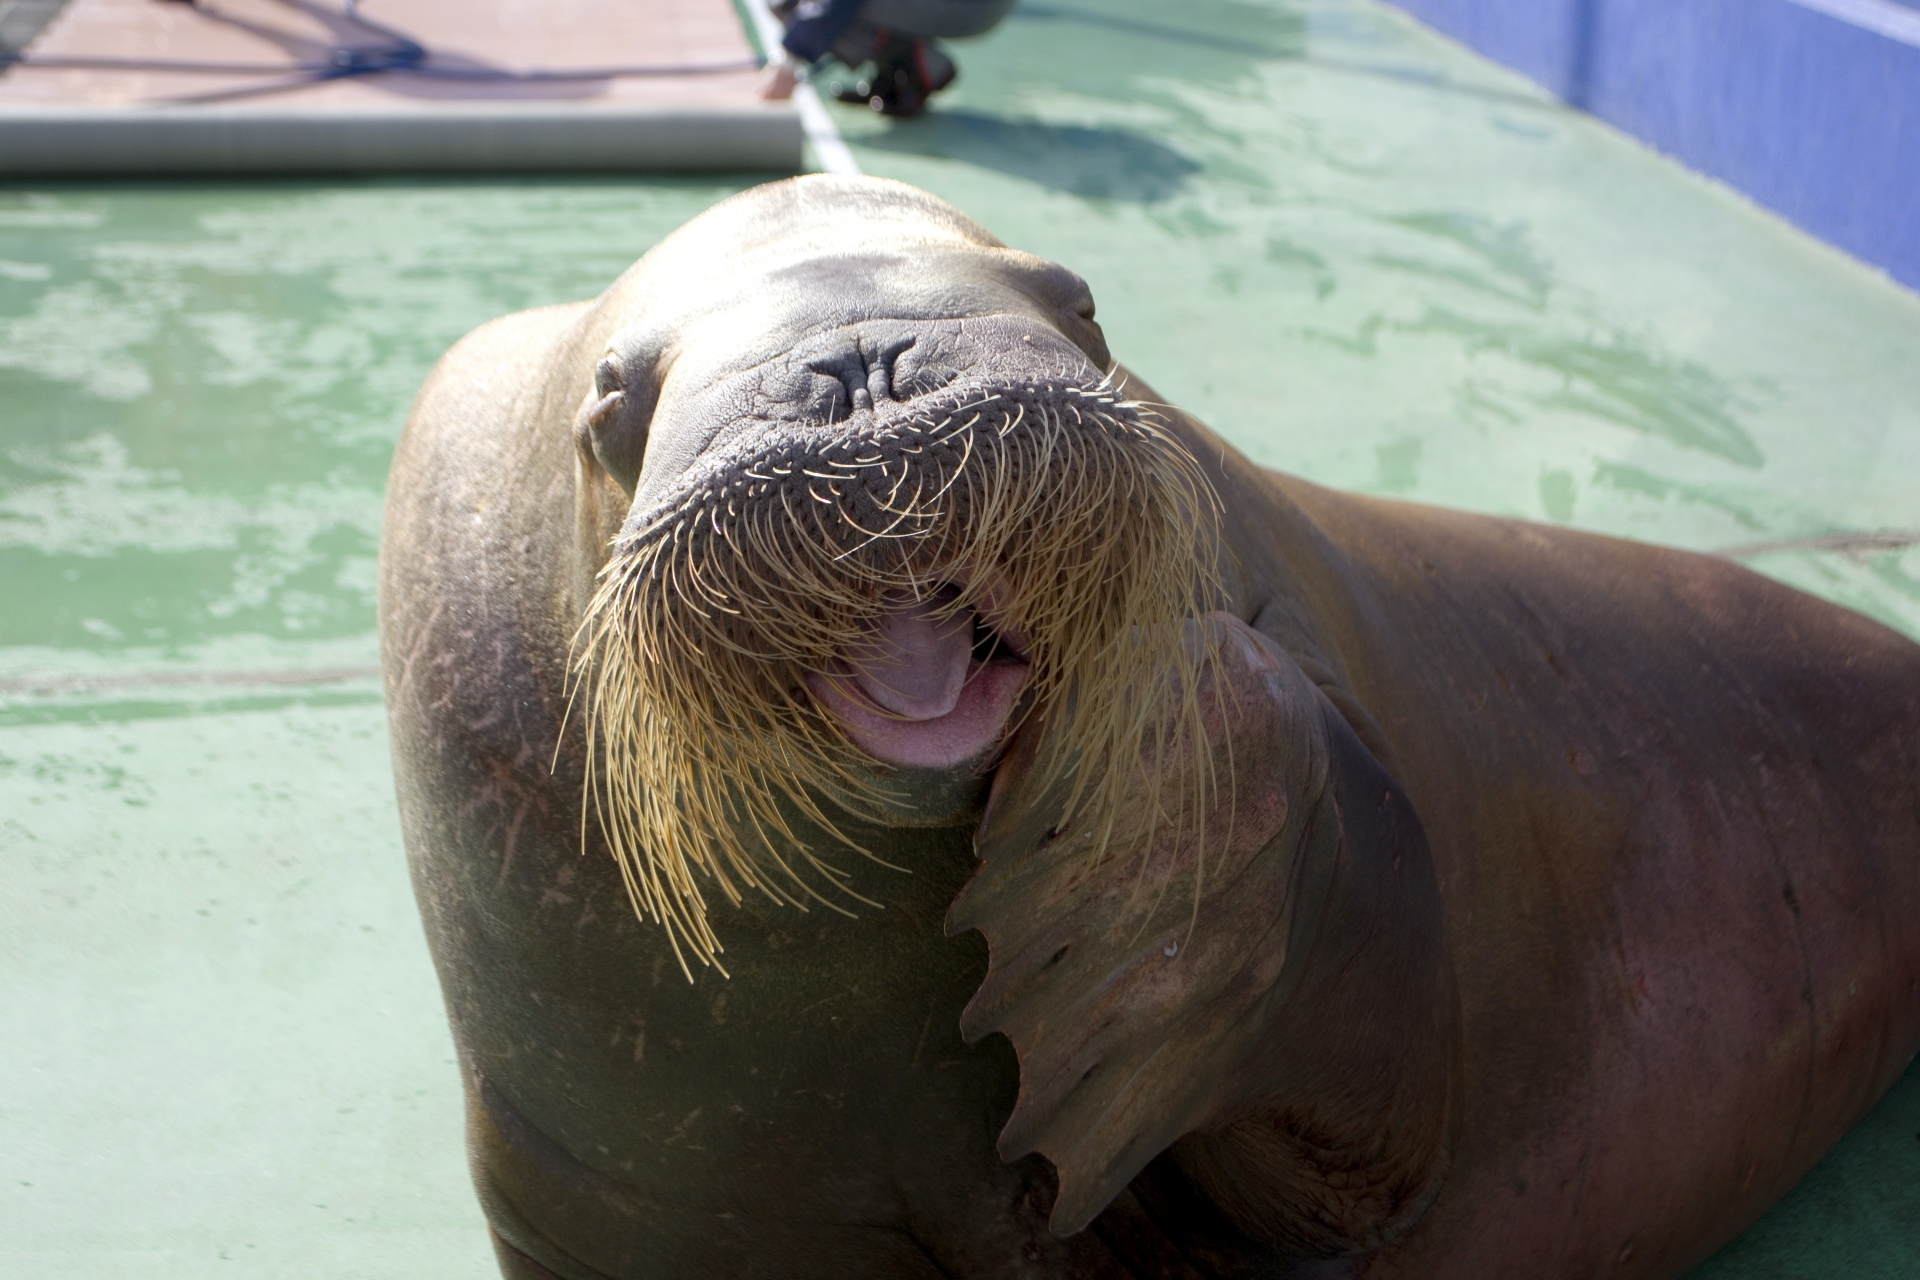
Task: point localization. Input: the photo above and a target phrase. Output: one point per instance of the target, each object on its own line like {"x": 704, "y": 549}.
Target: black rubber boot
{"x": 905, "y": 73}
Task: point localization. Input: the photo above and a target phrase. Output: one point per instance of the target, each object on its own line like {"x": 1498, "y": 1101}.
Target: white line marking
{"x": 829, "y": 148}
{"x": 1882, "y": 17}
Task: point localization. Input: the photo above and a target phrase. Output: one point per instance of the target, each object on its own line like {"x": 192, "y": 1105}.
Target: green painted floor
{"x": 1365, "y": 255}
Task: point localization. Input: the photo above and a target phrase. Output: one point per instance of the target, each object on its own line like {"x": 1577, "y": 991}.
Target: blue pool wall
{"x": 1810, "y": 107}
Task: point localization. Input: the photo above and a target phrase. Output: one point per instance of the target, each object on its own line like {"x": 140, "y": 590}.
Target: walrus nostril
{"x": 866, "y": 373}
{"x": 880, "y": 378}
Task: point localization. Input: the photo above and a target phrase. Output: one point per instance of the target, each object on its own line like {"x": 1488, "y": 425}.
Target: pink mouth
{"x": 917, "y": 695}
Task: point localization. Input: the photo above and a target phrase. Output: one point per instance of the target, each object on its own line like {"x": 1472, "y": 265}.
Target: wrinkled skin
{"x": 1560, "y": 913}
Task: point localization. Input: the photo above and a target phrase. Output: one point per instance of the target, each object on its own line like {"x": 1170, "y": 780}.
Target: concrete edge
{"x": 149, "y": 140}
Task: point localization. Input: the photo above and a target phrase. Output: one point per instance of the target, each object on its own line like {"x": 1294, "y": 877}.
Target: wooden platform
{"x": 123, "y": 86}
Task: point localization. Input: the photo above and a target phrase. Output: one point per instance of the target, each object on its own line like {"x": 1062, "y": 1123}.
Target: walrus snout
{"x": 871, "y": 377}
{"x": 854, "y": 445}
{"x": 887, "y": 503}
{"x": 912, "y": 525}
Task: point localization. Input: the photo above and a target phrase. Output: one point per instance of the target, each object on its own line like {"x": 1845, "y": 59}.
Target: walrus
{"x": 889, "y": 796}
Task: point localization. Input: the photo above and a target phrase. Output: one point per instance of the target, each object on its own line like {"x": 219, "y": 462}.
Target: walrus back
{"x": 1675, "y": 807}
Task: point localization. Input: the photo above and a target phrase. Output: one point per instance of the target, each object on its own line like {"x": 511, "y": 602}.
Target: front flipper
{"x": 1264, "y": 990}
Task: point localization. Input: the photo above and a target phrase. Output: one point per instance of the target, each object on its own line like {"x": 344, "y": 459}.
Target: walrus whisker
{"x": 816, "y": 864}
{"x": 893, "y": 494}
{"x": 1089, "y": 518}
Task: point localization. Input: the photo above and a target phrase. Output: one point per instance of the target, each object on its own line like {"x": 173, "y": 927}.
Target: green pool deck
{"x": 1365, "y": 255}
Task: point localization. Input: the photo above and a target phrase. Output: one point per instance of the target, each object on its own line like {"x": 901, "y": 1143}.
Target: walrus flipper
{"x": 1180, "y": 990}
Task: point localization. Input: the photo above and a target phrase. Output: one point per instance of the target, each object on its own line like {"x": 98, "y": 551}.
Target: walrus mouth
{"x": 815, "y": 608}
{"x": 934, "y": 687}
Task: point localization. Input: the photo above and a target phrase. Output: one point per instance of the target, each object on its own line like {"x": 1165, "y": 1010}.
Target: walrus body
{"x": 1561, "y": 899}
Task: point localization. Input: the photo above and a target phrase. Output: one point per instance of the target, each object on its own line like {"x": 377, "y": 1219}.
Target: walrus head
{"x": 887, "y": 502}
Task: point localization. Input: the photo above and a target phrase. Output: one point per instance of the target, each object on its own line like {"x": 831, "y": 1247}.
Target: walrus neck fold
{"x": 1134, "y": 987}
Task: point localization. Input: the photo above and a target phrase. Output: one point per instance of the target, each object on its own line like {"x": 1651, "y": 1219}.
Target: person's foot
{"x": 778, "y": 78}
{"x": 905, "y": 74}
